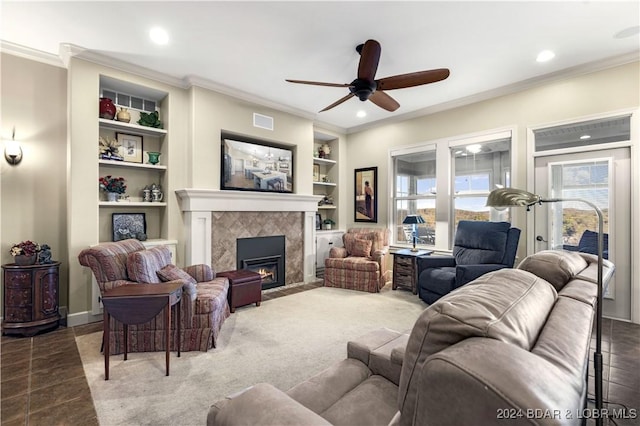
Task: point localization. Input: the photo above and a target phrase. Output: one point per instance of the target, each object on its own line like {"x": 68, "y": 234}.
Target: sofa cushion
{"x": 441, "y": 280}
{"x": 555, "y": 266}
{"x": 352, "y": 263}
{"x": 509, "y": 305}
{"x": 142, "y": 266}
{"x": 361, "y": 247}
{"x": 172, "y": 272}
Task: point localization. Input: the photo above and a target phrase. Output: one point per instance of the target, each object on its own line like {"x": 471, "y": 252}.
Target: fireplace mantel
{"x": 195, "y": 199}
{"x": 198, "y": 204}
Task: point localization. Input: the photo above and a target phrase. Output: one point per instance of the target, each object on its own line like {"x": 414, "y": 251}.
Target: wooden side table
{"x": 30, "y": 298}
{"x": 245, "y": 287}
{"x": 405, "y": 269}
{"x": 137, "y": 304}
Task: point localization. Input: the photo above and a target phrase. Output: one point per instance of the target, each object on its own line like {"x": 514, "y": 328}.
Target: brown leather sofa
{"x": 506, "y": 348}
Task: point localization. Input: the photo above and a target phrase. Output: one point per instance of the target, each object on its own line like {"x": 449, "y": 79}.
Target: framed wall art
{"x": 129, "y": 225}
{"x": 366, "y": 195}
{"x": 130, "y": 147}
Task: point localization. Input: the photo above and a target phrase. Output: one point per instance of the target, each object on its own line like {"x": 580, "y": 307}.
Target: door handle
{"x": 541, "y": 239}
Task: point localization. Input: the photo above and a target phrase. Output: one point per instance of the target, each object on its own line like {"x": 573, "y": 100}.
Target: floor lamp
{"x": 510, "y": 197}
{"x": 413, "y": 220}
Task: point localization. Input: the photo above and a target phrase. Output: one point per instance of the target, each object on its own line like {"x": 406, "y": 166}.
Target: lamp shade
{"x": 510, "y": 197}
{"x": 412, "y": 219}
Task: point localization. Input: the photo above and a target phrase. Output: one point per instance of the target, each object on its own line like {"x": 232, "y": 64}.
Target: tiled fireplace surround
{"x": 215, "y": 219}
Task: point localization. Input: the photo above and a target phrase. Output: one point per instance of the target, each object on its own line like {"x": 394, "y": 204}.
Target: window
{"x": 415, "y": 193}
{"x": 478, "y": 168}
{"x": 455, "y": 186}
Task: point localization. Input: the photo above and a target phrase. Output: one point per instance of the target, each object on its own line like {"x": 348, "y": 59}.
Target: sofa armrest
{"x": 434, "y": 262}
{"x": 262, "y": 404}
{"x": 114, "y": 284}
{"x": 467, "y": 273}
{"x": 338, "y": 252}
{"x": 201, "y": 273}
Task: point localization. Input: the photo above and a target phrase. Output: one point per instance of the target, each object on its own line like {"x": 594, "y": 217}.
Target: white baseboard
{"x": 82, "y": 318}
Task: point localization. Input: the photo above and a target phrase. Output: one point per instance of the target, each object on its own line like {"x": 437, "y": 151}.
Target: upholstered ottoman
{"x": 245, "y": 287}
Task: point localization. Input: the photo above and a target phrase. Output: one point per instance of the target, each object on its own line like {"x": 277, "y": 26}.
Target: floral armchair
{"x": 362, "y": 264}
{"x": 203, "y": 306}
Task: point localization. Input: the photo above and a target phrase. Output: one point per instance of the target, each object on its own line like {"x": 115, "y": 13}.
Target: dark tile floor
{"x": 43, "y": 383}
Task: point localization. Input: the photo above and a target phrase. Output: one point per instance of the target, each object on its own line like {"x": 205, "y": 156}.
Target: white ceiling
{"x": 252, "y": 47}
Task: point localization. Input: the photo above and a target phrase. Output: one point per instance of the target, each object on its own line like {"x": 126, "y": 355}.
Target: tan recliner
{"x": 362, "y": 264}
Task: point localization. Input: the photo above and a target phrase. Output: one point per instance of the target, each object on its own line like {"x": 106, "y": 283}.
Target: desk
{"x": 137, "y": 304}
{"x": 405, "y": 270}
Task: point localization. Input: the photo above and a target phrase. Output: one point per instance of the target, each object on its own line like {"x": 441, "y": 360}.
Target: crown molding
{"x": 520, "y": 86}
{"x": 204, "y": 83}
{"x": 29, "y": 53}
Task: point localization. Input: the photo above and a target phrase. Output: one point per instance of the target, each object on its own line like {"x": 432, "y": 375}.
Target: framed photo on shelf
{"x": 318, "y": 222}
{"x": 129, "y": 225}
{"x": 366, "y": 195}
{"x": 316, "y": 173}
{"x": 130, "y": 147}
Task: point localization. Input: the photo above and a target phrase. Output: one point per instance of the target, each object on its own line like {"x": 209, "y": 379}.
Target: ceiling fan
{"x": 365, "y": 86}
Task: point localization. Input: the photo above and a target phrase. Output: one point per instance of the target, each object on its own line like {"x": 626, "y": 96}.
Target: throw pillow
{"x": 361, "y": 247}
{"x": 172, "y": 272}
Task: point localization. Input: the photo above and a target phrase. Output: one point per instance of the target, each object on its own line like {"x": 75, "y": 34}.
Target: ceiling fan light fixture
{"x": 361, "y": 114}
{"x": 545, "y": 56}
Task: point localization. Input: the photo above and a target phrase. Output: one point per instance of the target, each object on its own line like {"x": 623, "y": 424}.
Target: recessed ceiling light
{"x": 361, "y": 114}
{"x": 545, "y": 55}
{"x": 159, "y": 35}
{"x": 585, "y": 137}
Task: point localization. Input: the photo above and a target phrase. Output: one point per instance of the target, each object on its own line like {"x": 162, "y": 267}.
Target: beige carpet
{"x": 282, "y": 342}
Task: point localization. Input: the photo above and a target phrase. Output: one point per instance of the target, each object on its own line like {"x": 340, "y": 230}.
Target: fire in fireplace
{"x": 264, "y": 255}
{"x": 267, "y": 267}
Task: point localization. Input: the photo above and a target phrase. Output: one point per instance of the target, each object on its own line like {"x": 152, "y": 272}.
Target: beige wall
{"x": 214, "y": 112}
{"x": 34, "y": 100}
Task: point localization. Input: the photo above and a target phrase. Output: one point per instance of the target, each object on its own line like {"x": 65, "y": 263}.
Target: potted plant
{"x": 113, "y": 186}
{"x": 328, "y": 223}
{"x": 25, "y": 252}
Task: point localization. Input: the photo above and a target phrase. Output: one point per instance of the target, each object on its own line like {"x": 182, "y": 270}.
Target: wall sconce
{"x": 13, "y": 150}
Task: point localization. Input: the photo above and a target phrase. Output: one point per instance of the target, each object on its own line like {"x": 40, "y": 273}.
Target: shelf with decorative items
{"x": 325, "y": 178}
{"x": 132, "y": 147}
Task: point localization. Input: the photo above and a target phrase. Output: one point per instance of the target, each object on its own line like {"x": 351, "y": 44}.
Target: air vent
{"x": 262, "y": 121}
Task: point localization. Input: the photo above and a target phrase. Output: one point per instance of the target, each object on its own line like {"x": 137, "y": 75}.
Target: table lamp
{"x": 413, "y": 220}
{"x": 511, "y": 197}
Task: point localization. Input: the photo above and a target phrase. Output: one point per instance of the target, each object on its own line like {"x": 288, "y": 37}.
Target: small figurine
{"x": 44, "y": 256}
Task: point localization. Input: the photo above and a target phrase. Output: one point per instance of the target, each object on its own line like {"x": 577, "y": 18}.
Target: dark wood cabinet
{"x": 30, "y": 298}
{"x": 405, "y": 274}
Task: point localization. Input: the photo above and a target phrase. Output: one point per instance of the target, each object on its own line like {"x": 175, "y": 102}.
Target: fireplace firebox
{"x": 264, "y": 255}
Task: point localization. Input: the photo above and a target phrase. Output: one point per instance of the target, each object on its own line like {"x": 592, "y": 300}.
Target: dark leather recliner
{"x": 479, "y": 247}
{"x": 589, "y": 244}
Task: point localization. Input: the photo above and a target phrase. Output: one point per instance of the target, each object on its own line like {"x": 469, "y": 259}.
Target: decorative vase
{"x": 112, "y": 196}
{"x": 123, "y": 115}
{"x": 24, "y": 260}
{"x": 154, "y": 157}
{"x": 107, "y": 109}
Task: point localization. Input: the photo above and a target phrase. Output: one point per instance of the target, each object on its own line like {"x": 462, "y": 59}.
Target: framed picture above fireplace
{"x": 250, "y": 165}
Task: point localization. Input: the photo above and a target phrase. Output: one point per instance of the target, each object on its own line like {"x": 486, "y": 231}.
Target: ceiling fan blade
{"x": 369, "y": 58}
{"x": 319, "y": 83}
{"x": 384, "y": 101}
{"x": 412, "y": 79}
{"x": 338, "y": 102}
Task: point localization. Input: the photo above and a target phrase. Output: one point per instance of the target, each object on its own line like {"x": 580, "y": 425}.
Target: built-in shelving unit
{"x": 137, "y": 175}
{"x": 325, "y": 176}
